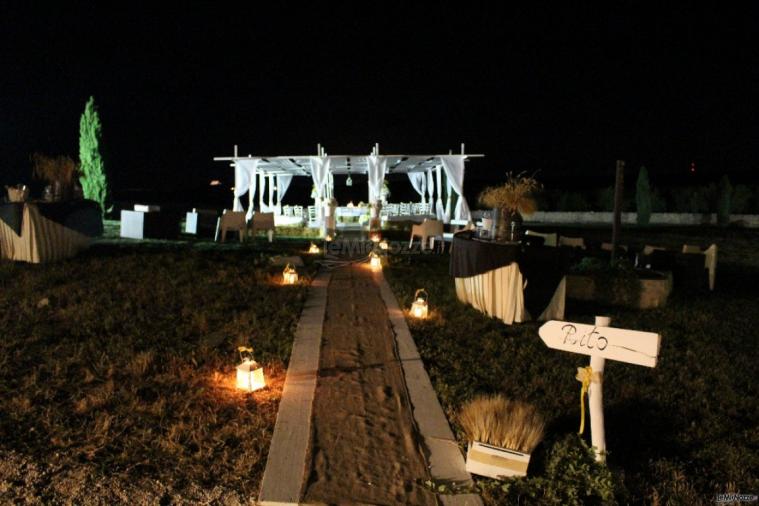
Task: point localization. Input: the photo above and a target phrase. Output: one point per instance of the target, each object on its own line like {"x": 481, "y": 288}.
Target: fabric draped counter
{"x": 511, "y": 282}
{"x": 46, "y": 231}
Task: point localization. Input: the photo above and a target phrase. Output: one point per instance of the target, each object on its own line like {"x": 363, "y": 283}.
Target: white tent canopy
{"x": 426, "y": 169}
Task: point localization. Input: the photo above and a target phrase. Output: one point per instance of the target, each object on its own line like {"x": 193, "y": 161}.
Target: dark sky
{"x": 563, "y": 92}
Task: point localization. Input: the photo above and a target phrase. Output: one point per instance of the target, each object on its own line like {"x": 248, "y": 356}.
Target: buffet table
{"x": 39, "y": 232}
{"x": 509, "y": 281}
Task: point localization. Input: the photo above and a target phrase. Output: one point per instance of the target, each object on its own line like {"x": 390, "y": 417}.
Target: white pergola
{"x": 425, "y": 173}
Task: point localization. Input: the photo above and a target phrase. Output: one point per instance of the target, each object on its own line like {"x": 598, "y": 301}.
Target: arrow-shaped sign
{"x": 631, "y": 346}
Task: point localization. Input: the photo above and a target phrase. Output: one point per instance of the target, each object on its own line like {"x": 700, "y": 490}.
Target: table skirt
{"x": 499, "y": 293}
{"x": 41, "y": 239}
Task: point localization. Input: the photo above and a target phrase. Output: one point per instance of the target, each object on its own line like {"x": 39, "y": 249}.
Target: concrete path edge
{"x": 283, "y": 478}
{"x": 445, "y": 459}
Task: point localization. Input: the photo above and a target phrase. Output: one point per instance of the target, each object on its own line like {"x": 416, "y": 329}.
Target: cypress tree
{"x": 725, "y": 203}
{"x": 92, "y": 179}
{"x": 643, "y": 198}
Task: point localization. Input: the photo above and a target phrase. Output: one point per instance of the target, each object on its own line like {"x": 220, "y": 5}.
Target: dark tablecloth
{"x": 542, "y": 266}
{"x": 82, "y": 216}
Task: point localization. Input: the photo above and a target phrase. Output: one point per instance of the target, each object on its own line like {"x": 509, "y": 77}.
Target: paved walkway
{"x": 364, "y": 444}
{"x": 365, "y": 426}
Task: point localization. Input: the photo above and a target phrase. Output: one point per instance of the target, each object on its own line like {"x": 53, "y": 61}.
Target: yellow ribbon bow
{"x": 585, "y": 375}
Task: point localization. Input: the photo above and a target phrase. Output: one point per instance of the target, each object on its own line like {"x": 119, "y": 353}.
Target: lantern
{"x": 375, "y": 262}
{"x": 328, "y": 238}
{"x": 289, "y": 275}
{"x": 420, "y": 307}
{"x": 384, "y": 246}
{"x": 250, "y": 375}
{"x": 314, "y": 249}
{"x": 375, "y": 237}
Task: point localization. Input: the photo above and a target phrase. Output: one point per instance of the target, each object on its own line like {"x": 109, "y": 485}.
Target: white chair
{"x": 231, "y": 220}
{"x": 607, "y": 246}
{"x": 311, "y": 214}
{"x": 548, "y": 239}
{"x": 710, "y": 260}
{"x": 298, "y": 211}
{"x": 405, "y": 209}
{"x": 428, "y": 230}
{"x": 573, "y": 242}
{"x": 263, "y": 221}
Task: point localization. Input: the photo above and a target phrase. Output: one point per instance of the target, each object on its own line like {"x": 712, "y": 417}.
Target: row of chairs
{"x": 235, "y": 221}
{"x": 406, "y": 209}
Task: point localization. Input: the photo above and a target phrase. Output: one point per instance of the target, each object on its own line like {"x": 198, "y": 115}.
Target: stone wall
{"x": 589, "y": 217}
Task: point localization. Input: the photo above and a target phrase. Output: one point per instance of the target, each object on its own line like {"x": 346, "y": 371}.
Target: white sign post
{"x": 601, "y": 342}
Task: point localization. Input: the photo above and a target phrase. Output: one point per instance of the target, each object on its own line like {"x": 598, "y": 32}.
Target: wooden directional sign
{"x": 631, "y": 346}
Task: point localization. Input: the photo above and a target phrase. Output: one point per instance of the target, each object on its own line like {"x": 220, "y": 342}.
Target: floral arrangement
{"x": 516, "y": 195}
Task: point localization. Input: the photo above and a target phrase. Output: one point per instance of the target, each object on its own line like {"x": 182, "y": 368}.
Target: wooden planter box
{"x": 643, "y": 293}
{"x": 494, "y": 462}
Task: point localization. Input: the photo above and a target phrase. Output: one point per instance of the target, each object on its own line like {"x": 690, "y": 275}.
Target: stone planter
{"x": 644, "y": 293}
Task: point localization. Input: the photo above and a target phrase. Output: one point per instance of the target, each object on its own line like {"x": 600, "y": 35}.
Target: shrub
{"x": 605, "y": 199}
{"x": 724, "y": 203}
{"x": 742, "y": 199}
{"x": 643, "y": 202}
{"x": 573, "y": 201}
{"x": 93, "y": 180}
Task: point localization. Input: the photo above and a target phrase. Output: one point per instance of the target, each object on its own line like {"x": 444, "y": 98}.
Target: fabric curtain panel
{"x": 376, "y": 172}
{"x": 454, "y": 171}
{"x": 319, "y": 175}
{"x": 448, "y": 193}
{"x": 430, "y": 189}
{"x": 245, "y": 181}
{"x": 261, "y": 186}
{"x": 419, "y": 182}
{"x": 439, "y": 207}
{"x": 271, "y": 192}
{"x": 283, "y": 184}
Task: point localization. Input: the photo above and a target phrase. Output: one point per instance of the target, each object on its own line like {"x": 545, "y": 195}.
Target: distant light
{"x": 215, "y": 182}
{"x": 693, "y": 166}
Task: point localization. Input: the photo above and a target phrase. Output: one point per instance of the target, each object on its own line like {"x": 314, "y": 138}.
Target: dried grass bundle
{"x": 515, "y": 195}
{"x": 501, "y": 422}
{"x": 52, "y": 169}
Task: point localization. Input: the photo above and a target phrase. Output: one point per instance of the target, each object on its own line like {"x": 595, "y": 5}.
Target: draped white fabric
{"x": 319, "y": 174}
{"x": 439, "y": 208}
{"x": 283, "y": 183}
{"x": 431, "y": 189}
{"x": 448, "y": 192}
{"x": 245, "y": 181}
{"x": 454, "y": 171}
{"x": 377, "y": 166}
{"x": 262, "y": 207}
{"x": 419, "y": 182}
{"x": 271, "y": 193}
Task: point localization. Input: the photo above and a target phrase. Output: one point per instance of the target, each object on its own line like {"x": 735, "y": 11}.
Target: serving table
{"x": 40, "y": 232}
{"x": 509, "y": 281}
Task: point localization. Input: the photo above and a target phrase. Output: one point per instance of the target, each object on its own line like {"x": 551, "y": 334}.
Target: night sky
{"x": 565, "y": 93}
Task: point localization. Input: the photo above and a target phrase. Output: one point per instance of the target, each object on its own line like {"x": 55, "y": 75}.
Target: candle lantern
{"x": 250, "y": 375}
{"x": 375, "y": 237}
{"x": 314, "y": 249}
{"x": 375, "y": 262}
{"x": 420, "y": 306}
{"x": 289, "y": 275}
{"x": 384, "y": 246}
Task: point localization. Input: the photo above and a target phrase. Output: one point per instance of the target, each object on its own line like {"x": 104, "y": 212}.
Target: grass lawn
{"x": 116, "y": 372}
{"x": 676, "y": 434}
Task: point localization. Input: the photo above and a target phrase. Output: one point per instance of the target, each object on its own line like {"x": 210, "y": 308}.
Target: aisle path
{"x": 377, "y": 431}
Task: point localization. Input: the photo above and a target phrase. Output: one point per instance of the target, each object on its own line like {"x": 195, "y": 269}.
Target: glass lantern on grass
{"x": 250, "y": 375}
{"x": 420, "y": 306}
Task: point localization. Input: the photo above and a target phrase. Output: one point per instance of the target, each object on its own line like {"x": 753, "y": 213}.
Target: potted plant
{"x": 511, "y": 200}
{"x": 502, "y": 435}
{"x": 59, "y": 172}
